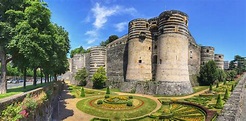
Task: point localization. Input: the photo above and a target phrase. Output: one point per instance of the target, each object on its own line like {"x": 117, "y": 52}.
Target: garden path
{"x": 68, "y": 110}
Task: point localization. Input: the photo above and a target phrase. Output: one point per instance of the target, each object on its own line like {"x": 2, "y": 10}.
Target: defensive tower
{"x": 219, "y": 60}
{"x": 207, "y": 54}
{"x": 139, "y": 51}
{"x": 97, "y": 59}
{"x": 172, "y": 54}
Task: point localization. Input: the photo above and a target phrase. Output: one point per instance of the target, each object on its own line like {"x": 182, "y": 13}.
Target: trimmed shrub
{"x": 232, "y": 88}
{"x": 226, "y": 96}
{"x": 224, "y": 82}
{"x": 99, "y": 102}
{"x": 129, "y": 103}
{"x": 219, "y": 104}
{"x": 210, "y": 88}
{"x": 130, "y": 97}
{"x": 106, "y": 96}
{"x": 82, "y": 92}
{"x": 108, "y": 90}
{"x": 217, "y": 84}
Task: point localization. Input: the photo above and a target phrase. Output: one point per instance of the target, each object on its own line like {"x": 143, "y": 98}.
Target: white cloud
{"x": 101, "y": 14}
{"x": 90, "y": 41}
{"x": 120, "y": 26}
{"x": 91, "y": 33}
{"x": 132, "y": 11}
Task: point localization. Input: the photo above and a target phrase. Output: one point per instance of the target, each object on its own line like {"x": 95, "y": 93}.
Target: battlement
{"x": 173, "y": 21}
{"x": 139, "y": 28}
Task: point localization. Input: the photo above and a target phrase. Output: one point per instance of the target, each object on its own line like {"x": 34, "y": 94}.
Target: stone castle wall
{"x": 234, "y": 108}
{"x": 116, "y": 64}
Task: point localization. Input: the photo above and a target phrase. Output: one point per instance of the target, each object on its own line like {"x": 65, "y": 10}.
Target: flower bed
{"x": 140, "y": 106}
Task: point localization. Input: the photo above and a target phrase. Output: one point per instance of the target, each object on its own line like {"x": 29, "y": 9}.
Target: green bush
{"x": 82, "y": 92}
{"x": 130, "y": 97}
{"x": 129, "y": 103}
{"x": 224, "y": 82}
{"x": 11, "y": 113}
{"x": 210, "y": 88}
{"x": 226, "y": 96}
{"x": 217, "y": 84}
{"x": 219, "y": 103}
{"x": 232, "y": 88}
{"x": 106, "y": 96}
{"x": 108, "y": 90}
{"x": 99, "y": 102}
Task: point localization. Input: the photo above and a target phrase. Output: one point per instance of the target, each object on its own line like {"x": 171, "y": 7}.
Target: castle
{"x": 157, "y": 56}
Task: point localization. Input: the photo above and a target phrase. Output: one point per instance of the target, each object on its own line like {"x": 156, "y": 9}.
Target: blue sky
{"x": 217, "y": 23}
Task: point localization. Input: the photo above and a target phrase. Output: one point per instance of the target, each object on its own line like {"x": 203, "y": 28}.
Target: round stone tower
{"x": 172, "y": 73}
{"x": 97, "y": 59}
{"x": 139, "y": 51}
{"x": 219, "y": 60}
{"x": 207, "y": 54}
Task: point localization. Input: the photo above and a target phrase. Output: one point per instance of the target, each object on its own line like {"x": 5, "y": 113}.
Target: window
{"x": 147, "y": 25}
{"x": 149, "y": 48}
{"x": 207, "y": 51}
{"x": 160, "y": 61}
{"x": 139, "y": 61}
{"x": 155, "y": 46}
{"x": 155, "y": 59}
{"x": 219, "y": 56}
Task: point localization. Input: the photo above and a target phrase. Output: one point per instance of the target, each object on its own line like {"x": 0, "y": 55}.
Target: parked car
{"x": 15, "y": 81}
{"x": 21, "y": 80}
{"x": 10, "y": 81}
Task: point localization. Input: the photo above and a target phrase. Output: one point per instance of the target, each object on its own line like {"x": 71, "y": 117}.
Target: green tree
{"x": 231, "y": 74}
{"x": 79, "y": 50}
{"x": 108, "y": 90}
{"x": 219, "y": 103}
{"x": 81, "y": 76}
{"x": 11, "y": 12}
{"x": 221, "y": 75}
{"x": 82, "y": 92}
{"x": 208, "y": 73}
{"x": 109, "y": 40}
{"x": 99, "y": 78}
{"x": 226, "y": 96}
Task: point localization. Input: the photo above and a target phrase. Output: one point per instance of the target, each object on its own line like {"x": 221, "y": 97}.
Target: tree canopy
{"x": 208, "y": 73}
{"x": 79, "y": 50}
{"x": 109, "y": 40}
{"x": 30, "y": 40}
{"x": 99, "y": 78}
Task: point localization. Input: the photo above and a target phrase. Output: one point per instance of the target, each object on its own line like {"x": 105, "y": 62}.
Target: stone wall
{"x": 44, "y": 111}
{"x": 116, "y": 65}
{"x": 194, "y": 63}
{"x": 234, "y": 110}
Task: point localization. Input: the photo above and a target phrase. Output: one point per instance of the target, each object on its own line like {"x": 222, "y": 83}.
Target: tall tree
{"x": 99, "y": 78}
{"x": 208, "y": 73}
{"x": 10, "y": 15}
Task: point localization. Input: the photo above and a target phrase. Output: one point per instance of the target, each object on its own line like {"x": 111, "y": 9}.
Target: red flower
{"x": 24, "y": 113}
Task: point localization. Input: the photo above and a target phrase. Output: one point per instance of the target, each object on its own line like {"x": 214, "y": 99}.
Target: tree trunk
{"x": 46, "y": 78}
{"x": 55, "y": 77}
{"x": 3, "y": 84}
{"x": 35, "y": 76}
{"x": 24, "y": 74}
{"x": 41, "y": 72}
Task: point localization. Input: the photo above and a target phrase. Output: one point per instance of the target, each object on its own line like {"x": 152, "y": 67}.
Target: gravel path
{"x": 68, "y": 110}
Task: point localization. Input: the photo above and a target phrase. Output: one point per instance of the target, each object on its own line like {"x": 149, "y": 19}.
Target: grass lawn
{"x": 146, "y": 108}
{"x": 18, "y": 90}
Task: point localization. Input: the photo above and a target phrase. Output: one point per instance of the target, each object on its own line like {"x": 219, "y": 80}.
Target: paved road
{"x": 10, "y": 85}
